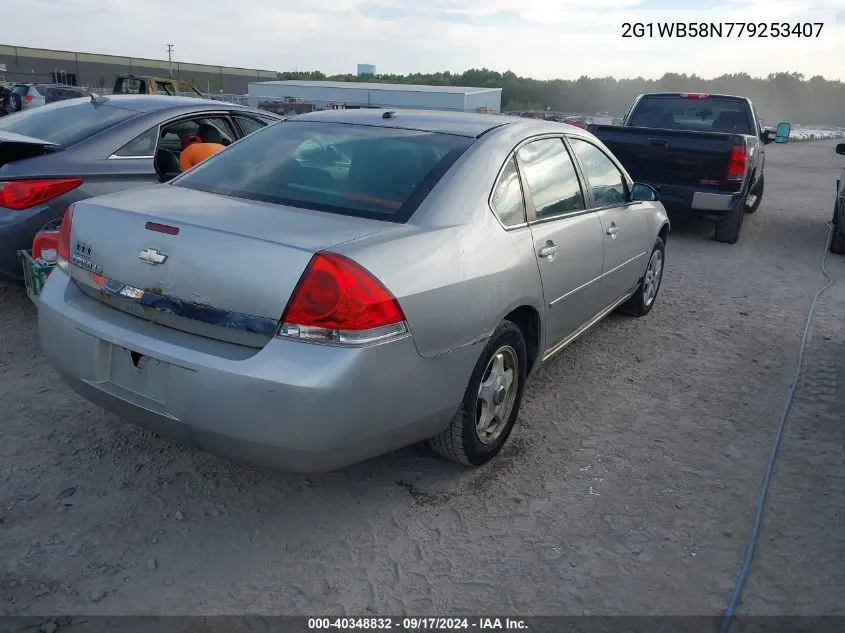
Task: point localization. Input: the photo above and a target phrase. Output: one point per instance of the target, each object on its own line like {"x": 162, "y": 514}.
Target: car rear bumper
{"x": 294, "y": 406}
{"x": 698, "y": 200}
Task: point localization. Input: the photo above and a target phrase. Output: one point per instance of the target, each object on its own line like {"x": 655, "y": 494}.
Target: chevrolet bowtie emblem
{"x": 152, "y": 256}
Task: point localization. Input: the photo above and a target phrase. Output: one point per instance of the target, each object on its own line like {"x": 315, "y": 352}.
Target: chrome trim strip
{"x": 178, "y": 307}
{"x": 599, "y": 278}
{"x": 116, "y": 157}
{"x": 569, "y": 339}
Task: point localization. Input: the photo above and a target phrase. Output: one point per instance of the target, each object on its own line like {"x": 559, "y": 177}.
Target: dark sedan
{"x": 53, "y": 156}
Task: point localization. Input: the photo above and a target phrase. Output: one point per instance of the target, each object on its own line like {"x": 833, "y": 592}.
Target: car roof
{"x": 153, "y": 103}
{"x": 437, "y": 121}
{"x": 467, "y": 124}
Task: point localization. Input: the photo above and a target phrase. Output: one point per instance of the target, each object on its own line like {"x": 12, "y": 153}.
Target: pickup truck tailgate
{"x": 673, "y": 157}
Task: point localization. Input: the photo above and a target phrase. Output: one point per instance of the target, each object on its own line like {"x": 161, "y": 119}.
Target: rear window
{"x": 363, "y": 171}
{"x": 712, "y": 114}
{"x": 65, "y": 122}
{"x": 21, "y": 90}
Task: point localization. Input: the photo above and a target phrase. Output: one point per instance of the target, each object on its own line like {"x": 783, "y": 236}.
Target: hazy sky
{"x": 538, "y": 38}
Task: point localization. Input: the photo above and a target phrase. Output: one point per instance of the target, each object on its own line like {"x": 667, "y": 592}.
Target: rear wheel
{"x": 491, "y": 402}
{"x": 757, "y": 192}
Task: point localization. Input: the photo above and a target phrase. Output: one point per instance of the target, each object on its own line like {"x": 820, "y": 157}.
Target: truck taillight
{"x": 63, "y": 249}
{"x": 338, "y": 301}
{"x": 737, "y": 163}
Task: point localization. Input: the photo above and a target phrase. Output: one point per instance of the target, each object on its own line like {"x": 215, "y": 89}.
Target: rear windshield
{"x": 65, "y": 122}
{"x": 712, "y": 114}
{"x": 363, "y": 171}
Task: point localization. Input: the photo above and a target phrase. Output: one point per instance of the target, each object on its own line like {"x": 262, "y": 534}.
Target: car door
{"x": 567, "y": 236}
{"x": 624, "y": 222}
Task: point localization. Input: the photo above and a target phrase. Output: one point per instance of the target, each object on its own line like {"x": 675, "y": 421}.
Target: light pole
{"x": 170, "y": 58}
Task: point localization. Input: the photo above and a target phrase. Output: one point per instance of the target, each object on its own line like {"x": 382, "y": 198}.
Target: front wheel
{"x": 643, "y": 300}
{"x": 491, "y": 402}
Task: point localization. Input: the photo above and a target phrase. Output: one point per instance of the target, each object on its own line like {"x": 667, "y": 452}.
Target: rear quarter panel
{"x": 455, "y": 271}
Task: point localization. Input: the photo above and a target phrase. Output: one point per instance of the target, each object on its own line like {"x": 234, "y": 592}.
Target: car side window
{"x": 603, "y": 177}
{"x": 551, "y": 178}
{"x": 248, "y": 126}
{"x": 143, "y": 146}
{"x": 507, "y": 201}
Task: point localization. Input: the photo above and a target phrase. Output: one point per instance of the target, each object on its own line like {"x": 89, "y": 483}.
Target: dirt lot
{"x": 627, "y": 487}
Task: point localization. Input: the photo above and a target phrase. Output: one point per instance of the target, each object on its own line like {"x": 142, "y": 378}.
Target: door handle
{"x": 612, "y": 230}
{"x": 548, "y": 251}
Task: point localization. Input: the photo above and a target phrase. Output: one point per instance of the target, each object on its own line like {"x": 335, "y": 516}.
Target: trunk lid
{"x": 15, "y": 147}
{"x": 671, "y": 157}
{"x": 227, "y": 274}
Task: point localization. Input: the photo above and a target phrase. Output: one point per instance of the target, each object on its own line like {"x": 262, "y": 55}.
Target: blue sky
{"x": 539, "y": 38}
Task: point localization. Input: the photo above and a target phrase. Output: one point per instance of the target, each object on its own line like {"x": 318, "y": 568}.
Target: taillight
{"x": 63, "y": 248}
{"x": 694, "y": 95}
{"x": 28, "y": 98}
{"x": 338, "y": 301}
{"x": 736, "y": 164}
{"x": 18, "y": 195}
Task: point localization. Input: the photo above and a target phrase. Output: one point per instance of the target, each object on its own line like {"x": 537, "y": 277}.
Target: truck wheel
{"x": 837, "y": 239}
{"x": 757, "y": 191}
{"x": 727, "y": 229}
{"x": 491, "y": 402}
{"x": 643, "y": 300}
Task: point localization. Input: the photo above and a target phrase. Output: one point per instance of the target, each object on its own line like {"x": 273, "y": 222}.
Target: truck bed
{"x": 662, "y": 157}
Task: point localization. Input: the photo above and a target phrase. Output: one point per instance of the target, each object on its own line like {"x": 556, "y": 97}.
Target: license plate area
{"x": 139, "y": 374}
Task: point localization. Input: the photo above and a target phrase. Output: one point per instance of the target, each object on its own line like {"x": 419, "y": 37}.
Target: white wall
{"x": 376, "y": 98}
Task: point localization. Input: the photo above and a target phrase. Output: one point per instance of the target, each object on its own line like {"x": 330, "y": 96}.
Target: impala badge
{"x": 152, "y": 257}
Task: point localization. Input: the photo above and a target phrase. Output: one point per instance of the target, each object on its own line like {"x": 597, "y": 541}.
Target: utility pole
{"x": 170, "y": 58}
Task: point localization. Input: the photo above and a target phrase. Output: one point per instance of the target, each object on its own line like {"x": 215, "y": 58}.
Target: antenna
{"x": 170, "y": 59}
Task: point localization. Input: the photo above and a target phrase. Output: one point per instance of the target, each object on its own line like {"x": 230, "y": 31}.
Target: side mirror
{"x": 840, "y": 149}
{"x": 769, "y": 136}
{"x": 642, "y": 192}
{"x": 782, "y": 132}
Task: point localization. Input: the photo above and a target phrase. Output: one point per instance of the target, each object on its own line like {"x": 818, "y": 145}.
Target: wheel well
{"x": 664, "y": 233}
{"x": 527, "y": 319}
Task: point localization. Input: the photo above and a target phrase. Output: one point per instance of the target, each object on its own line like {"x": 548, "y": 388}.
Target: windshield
{"x": 712, "y": 114}
{"x": 364, "y": 171}
{"x": 66, "y": 122}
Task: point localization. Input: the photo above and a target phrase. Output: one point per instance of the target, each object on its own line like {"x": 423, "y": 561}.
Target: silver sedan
{"x": 350, "y": 282}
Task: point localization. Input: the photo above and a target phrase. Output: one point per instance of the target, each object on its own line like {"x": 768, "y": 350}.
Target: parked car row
{"x": 814, "y": 134}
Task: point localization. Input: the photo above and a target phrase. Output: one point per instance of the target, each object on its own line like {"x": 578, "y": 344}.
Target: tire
{"x": 728, "y": 229}
{"x": 758, "y": 191}
{"x": 837, "y": 238}
{"x": 644, "y": 299}
{"x": 17, "y": 104}
{"x": 462, "y": 442}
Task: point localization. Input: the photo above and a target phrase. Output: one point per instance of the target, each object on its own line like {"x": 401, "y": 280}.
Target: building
{"x": 366, "y": 69}
{"x": 352, "y": 94}
{"x": 98, "y": 71}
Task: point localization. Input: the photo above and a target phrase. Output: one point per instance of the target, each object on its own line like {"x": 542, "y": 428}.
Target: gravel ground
{"x": 627, "y": 487}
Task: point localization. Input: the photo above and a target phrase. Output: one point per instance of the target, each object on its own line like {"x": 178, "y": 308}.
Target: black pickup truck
{"x": 704, "y": 153}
